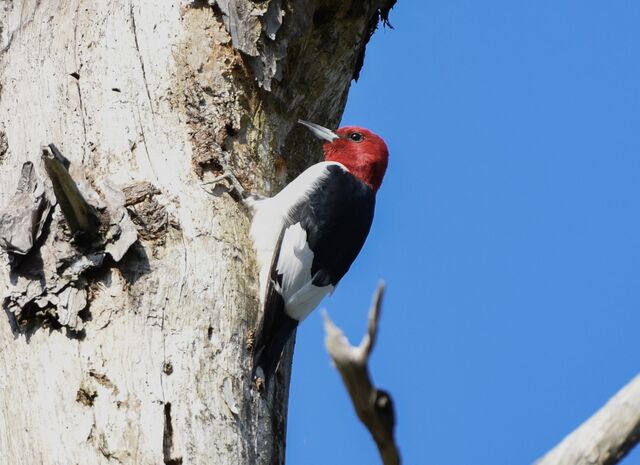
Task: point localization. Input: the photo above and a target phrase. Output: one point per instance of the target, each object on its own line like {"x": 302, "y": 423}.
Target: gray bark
{"x": 132, "y": 345}
{"x": 373, "y": 406}
{"x": 606, "y": 437}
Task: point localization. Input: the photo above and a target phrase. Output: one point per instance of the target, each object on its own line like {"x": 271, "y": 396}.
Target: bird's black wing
{"x": 337, "y": 218}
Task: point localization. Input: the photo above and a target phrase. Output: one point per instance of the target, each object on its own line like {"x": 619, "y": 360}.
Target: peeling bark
{"x": 139, "y": 353}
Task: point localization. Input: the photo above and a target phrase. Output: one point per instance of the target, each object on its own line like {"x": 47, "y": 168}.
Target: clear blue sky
{"x": 507, "y": 230}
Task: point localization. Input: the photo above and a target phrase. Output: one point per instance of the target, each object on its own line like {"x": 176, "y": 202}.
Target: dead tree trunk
{"x": 129, "y": 343}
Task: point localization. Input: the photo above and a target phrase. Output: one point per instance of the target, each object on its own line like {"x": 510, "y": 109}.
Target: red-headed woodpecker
{"x": 309, "y": 234}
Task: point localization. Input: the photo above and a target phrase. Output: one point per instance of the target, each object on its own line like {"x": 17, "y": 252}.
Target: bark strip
{"x": 80, "y": 216}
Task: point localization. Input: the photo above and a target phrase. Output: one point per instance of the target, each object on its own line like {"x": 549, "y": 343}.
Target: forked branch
{"x": 373, "y": 406}
{"x": 604, "y": 439}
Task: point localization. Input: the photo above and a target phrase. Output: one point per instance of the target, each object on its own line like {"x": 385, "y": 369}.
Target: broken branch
{"x": 373, "y": 406}
{"x": 80, "y": 216}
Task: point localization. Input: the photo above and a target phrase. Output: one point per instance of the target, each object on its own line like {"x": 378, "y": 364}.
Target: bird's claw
{"x": 235, "y": 188}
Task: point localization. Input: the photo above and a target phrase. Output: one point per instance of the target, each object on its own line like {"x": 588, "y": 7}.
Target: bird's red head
{"x": 361, "y": 151}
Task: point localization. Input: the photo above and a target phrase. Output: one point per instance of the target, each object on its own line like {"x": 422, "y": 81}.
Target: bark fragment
{"x": 79, "y": 214}
{"x": 150, "y": 217}
{"x": 265, "y": 31}
{"x": 22, "y": 220}
{"x": 48, "y": 286}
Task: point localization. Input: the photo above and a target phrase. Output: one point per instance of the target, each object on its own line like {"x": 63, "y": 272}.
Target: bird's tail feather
{"x": 275, "y": 331}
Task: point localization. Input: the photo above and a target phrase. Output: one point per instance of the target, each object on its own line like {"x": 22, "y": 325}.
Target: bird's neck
{"x": 368, "y": 171}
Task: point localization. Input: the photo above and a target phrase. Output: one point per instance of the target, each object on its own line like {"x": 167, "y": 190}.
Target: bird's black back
{"x": 337, "y": 218}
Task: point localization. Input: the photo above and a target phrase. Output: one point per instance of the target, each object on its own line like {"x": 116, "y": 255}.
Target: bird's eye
{"x": 356, "y": 137}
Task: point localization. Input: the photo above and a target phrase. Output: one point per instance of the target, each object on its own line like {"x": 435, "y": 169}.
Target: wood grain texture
{"x": 606, "y": 437}
{"x": 146, "y": 99}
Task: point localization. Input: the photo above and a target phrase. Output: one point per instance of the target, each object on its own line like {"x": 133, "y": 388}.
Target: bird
{"x": 307, "y": 236}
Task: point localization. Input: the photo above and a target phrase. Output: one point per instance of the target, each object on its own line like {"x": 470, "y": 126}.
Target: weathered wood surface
{"x": 143, "y": 359}
{"x": 373, "y": 406}
{"x": 606, "y": 437}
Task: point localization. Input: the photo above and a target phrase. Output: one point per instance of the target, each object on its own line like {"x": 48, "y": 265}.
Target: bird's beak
{"x": 319, "y": 131}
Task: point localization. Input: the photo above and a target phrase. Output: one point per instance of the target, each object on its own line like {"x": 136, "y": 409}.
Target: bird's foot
{"x": 235, "y": 189}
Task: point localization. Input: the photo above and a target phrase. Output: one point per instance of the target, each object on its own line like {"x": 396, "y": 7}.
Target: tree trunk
{"x": 143, "y": 357}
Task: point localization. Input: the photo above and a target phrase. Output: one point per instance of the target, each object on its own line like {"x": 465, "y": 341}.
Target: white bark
{"x": 145, "y": 360}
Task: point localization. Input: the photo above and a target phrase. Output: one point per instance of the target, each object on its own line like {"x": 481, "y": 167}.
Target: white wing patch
{"x": 271, "y": 214}
{"x": 294, "y": 264}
